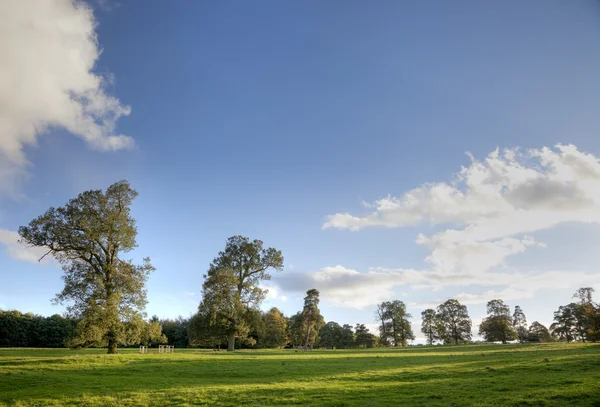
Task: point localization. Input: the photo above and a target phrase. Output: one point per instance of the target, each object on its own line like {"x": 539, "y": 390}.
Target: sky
{"x": 417, "y": 151}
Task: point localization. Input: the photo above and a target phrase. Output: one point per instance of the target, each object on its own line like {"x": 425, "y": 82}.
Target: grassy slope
{"x": 485, "y": 375}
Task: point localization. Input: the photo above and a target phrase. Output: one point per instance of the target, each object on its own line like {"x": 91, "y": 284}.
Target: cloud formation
{"x": 492, "y": 206}
{"x": 48, "y": 50}
{"x": 487, "y": 213}
{"x": 10, "y": 240}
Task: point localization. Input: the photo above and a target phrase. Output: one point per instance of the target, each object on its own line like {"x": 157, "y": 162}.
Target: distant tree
{"x": 275, "y": 334}
{"x": 538, "y": 333}
{"x": 395, "y": 322}
{"x": 347, "y": 337}
{"x": 232, "y": 285}
{"x": 429, "y": 325}
{"x": 176, "y": 331}
{"x": 498, "y": 325}
{"x": 454, "y": 323}
{"x": 330, "y": 335}
{"x": 364, "y": 338}
{"x": 88, "y": 236}
{"x": 584, "y": 295}
{"x": 296, "y": 330}
{"x": 565, "y": 322}
{"x": 520, "y": 324}
{"x": 311, "y": 315}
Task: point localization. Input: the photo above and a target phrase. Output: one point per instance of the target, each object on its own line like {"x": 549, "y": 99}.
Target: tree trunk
{"x": 231, "y": 343}
{"x": 307, "y": 337}
{"x": 112, "y": 346}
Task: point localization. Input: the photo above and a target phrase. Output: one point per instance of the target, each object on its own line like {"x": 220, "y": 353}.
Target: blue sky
{"x": 305, "y": 124}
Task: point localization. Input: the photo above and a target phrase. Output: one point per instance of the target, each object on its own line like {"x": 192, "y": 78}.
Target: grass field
{"x": 475, "y": 375}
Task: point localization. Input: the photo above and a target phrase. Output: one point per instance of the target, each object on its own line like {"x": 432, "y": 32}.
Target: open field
{"x": 475, "y": 375}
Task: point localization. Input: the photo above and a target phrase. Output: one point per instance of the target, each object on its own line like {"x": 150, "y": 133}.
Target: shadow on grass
{"x": 292, "y": 378}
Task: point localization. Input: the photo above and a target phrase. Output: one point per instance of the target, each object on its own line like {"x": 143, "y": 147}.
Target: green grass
{"x": 475, "y": 375}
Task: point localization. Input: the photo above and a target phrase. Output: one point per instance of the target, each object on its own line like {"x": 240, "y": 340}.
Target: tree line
{"x": 105, "y": 296}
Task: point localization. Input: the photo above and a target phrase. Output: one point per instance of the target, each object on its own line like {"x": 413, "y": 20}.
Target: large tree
{"x": 231, "y": 289}
{"x": 454, "y": 323}
{"x": 89, "y": 236}
{"x": 498, "y": 325}
{"x": 395, "y": 322}
{"x": 519, "y": 322}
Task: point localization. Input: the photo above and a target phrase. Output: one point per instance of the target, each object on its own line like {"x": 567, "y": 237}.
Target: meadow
{"x": 555, "y": 374}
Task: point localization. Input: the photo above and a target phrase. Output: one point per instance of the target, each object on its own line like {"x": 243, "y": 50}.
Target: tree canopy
{"x": 231, "y": 289}
{"x": 89, "y": 236}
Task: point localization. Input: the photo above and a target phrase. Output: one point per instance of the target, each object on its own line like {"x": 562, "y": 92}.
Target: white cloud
{"x": 48, "y": 50}
{"x": 493, "y": 206}
{"x": 340, "y": 286}
{"x": 14, "y": 249}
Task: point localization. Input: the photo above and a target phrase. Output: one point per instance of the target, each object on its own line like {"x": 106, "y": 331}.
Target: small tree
{"x": 520, "y": 324}
{"x": 429, "y": 326}
{"x": 89, "y": 236}
{"x": 454, "y": 323}
{"x": 231, "y": 286}
{"x": 498, "y": 326}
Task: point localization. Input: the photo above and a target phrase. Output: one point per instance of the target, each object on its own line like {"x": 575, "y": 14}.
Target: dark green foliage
{"x": 88, "y": 236}
{"x": 429, "y": 326}
{"x": 394, "y": 322}
{"x": 498, "y": 325}
{"x": 538, "y": 333}
{"x": 333, "y": 335}
{"x": 28, "y": 330}
{"x": 176, "y": 331}
{"x": 364, "y": 338}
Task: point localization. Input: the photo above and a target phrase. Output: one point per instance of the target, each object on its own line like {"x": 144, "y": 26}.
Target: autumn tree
{"x": 231, "y": 289}
{"x": 587, "y": 315}
{"x": 519, "y": 322}
{"x": 453, "y": 322}
{"x": 498, "y": 325}
{"x": 275, "y": 329}
{"x": 395, "y": 322}
{"x": 429, "y": 326}
{"x": 88, "y": 237}
{"x": 311, "y": 315}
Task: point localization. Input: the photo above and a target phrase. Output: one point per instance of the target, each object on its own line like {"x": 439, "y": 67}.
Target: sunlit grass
{"x": 482, "y": 375}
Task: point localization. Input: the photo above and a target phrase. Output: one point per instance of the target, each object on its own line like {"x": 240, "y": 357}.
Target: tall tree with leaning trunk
{"x": 520, "y": 324}
{"x": 231, "y": 289}
{"x": 311, "y": 315}
{"x": 89, "y": 236}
